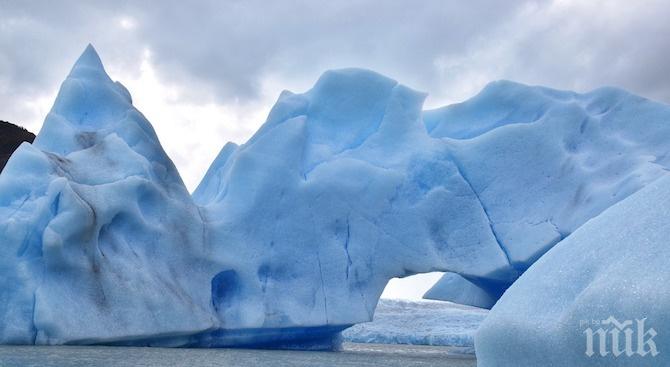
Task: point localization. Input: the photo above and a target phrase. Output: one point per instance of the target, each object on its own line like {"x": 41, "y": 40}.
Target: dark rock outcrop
{"x": 11, "y": 136}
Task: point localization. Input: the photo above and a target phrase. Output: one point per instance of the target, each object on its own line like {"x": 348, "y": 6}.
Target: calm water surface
{"x": 352, "y": 355}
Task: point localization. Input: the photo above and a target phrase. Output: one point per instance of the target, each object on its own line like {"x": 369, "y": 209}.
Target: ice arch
{"x": 293, "y": 235}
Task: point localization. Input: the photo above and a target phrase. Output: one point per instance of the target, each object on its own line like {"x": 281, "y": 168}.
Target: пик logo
{"x": 620, "y": 338}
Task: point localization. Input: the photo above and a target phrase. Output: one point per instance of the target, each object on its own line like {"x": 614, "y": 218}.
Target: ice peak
{"x": 89, "y": 59}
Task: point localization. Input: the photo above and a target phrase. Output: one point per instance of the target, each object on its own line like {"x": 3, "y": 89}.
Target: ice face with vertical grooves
{"x": 357, "y": 206}
{"x": 292, "y": 236}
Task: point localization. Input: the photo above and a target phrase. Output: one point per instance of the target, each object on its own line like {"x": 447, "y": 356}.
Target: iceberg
{"x": 292, "y": 236}
{"x": 86, "y": 254}
{"x": 596, "y": 298}
{"x": 289, "y": 239}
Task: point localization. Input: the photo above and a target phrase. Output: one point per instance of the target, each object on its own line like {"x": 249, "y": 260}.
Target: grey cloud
{"x": 227, "y": 47}
{"x": 223, "y": 50}
{"x": 231, "y": 47}
{"x": 584, "y": 46}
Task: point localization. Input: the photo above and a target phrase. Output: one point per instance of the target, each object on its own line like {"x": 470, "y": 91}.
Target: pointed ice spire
{"x": 88, "y": 61}
{"x": 89, "y": 104}
{"x": 92, "y": 110}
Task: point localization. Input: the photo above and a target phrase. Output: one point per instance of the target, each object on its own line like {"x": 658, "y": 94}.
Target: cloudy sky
{"x": 208, "y": 72}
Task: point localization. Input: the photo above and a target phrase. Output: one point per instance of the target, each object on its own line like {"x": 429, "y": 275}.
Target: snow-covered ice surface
{"x": 420, "y": 323}
{"x": 616, "y": 265}
{"x": 292, "y": 236}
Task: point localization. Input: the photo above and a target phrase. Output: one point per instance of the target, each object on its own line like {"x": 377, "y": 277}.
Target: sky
{"x": 208, "y": 72}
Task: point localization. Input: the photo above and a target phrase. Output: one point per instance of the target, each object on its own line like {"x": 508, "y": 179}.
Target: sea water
{"x": 352, "y": 355}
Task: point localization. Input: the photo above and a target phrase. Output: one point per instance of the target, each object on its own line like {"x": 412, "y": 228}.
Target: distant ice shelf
{"x": 420, "y": 323}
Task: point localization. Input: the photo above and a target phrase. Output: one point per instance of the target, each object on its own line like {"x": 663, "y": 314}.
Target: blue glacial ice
{"x": 542, "y": 162}
{"x": 341, "y": 190}
{"x": 292, "y": 236}
{"x": 614, "y": 266}
{"x": 455, "y": 288}
{"x": 100, "y": 239}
